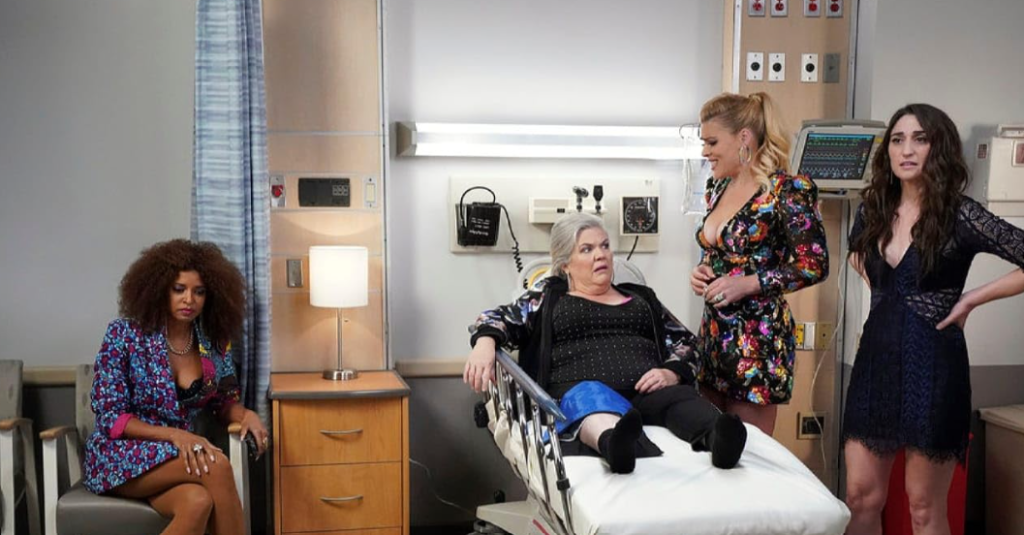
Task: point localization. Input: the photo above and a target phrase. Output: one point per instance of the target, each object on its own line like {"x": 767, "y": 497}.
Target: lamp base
{"x": 340, "y": 375}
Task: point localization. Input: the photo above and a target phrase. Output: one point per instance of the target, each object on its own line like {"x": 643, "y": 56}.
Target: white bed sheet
{"x": 770, "y": 492}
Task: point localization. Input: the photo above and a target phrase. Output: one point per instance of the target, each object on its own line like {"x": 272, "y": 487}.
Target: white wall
{"x": 965, "y": 58}
{"x": 531, "y": 61}
{"x": 95, "y": 161}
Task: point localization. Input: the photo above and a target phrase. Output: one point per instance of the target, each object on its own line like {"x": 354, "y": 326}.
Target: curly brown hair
{"x": 945, "y": 179}
{"x": 144, "y": 291}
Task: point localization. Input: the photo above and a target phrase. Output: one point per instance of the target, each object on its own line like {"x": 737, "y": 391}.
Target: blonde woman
{"x": 761, "y": 238}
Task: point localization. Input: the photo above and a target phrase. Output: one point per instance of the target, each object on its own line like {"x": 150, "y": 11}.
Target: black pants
{"x": 679, "y": 408}
{"x": 682, "y": 410}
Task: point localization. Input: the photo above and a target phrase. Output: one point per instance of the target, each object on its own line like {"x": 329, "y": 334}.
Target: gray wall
{"x": 589, "y": 62}
{"x": 95, "y": 161}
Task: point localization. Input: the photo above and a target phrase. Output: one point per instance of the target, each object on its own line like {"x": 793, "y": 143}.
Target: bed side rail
{"x": 509, "y": 396}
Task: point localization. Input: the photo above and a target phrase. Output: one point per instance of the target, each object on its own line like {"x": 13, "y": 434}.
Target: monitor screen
{"x": 835, "y": 156}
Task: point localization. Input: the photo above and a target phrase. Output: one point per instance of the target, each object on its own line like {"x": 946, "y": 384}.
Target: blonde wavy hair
{"x": 760, "y": 115}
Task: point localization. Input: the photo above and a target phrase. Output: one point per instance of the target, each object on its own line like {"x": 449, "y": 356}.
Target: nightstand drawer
{"x": 353, "y": 496}
{"x": 340, "y": 431}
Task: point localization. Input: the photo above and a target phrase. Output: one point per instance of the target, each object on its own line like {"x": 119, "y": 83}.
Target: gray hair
{"x": 564, "y": 234}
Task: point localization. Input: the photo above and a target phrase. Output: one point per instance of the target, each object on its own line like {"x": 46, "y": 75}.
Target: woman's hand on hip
{"x": 728, "y": 290}
{"x": 700, "y": 277}
{"x": 479, "y": 370}
{"x": 252, "y": 424}
{"x": 958, "y": 315}
{"x": 195, "y": 451}
{"x": 656, "y": 379}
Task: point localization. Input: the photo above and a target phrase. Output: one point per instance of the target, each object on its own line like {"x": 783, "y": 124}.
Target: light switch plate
{"x": 780, "y": 8}
{"x": 755, "y": 66}
{"x": 294, "y": 272}
{"x": 831, "y": 74}
{"x": 835, "y": 9}
{"x": 808, "y": 67}
{"x": 755, "y": 8}
{"x": 776, "y": 67}
{"x": 812, "y": 8}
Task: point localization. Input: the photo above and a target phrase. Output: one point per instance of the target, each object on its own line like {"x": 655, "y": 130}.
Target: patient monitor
{"x": 837, "y": 155}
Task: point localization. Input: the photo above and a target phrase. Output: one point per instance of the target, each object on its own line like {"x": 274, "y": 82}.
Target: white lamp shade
{"x": 338, "y": 276}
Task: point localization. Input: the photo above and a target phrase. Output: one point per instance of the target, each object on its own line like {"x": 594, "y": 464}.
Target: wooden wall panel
{"x": 323, "y": 73}
{"x": 323, "y": 66}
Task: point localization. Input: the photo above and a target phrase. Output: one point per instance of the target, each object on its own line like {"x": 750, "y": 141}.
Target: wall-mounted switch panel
{"x": 776, "y": 67}
{"x": 755, "y": 66}
{"x": 835, "y": 9}
{"x": 293, "y": 271}
{"x": 831, "y": 74}
{"x": 808, "y": 67}
{"x": 370, "y": 193}
{"x": 812, "y": 8}
{"x": 755, "y": 8}
{"x": 780, "y": 8}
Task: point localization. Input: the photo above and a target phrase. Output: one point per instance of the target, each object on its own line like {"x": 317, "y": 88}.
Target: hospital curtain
{"x": 230, "y": 191}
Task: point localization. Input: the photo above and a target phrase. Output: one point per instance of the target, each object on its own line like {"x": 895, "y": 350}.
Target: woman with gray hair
{"x": 611, "y": 353}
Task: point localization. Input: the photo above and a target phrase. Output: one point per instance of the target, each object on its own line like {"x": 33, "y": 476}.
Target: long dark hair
{"x": 944, "y": 178}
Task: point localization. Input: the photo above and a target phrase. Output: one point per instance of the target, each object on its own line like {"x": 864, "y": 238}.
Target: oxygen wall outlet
{"x": 755, "y": 8}
{"x": 776, "y": 67}
{"x": 755, "y": 66}
{"x": 780, "y": 8}
{"x": 835, "y": 9}
{"x": 808, "y": 67}
{"x": 812, "y": 8}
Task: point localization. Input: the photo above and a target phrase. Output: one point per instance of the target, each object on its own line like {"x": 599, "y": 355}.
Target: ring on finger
{"x": 197, "y": 448}
{"x": 719, "y": 297}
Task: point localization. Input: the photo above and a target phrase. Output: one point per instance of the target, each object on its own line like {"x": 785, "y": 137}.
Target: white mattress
{"x": 769, "y": 492}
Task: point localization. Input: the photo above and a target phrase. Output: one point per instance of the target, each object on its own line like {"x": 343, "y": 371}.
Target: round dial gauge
{"x": 640, "y": 215}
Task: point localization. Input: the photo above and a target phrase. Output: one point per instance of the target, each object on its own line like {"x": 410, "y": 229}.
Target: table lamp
{"x": 338, "y": 278}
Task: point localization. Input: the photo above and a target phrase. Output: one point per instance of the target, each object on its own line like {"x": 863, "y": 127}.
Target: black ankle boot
{"x": 727, "y": 440}
{"x": 618, "y": 444}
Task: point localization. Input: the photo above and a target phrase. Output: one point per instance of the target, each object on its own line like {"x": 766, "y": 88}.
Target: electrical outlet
{"x": 798, "y": 335}
{"x": 780, "y": 8}
{"x": 755, "y": 66}
{"x": 808, "y": 67}
{"x": 776, "y": 67}
{"x": 810, "y": 425}
{"x": 831, "y": 74}
{"x": 812, "y": 8}
{"x": 835, "y": 9}
{"x": 822, "y": 335}
{"x": 755, "y": 8}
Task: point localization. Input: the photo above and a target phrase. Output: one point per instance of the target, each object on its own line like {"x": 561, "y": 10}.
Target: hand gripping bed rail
{"x": 512, "y": 382}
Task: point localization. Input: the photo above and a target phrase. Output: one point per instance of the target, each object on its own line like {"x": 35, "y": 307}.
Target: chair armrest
{"x": 11, "y": 423}
{"x": 54, "y": 433}
{"x": 238, "y": 453}
{"x": 234, "y": 428}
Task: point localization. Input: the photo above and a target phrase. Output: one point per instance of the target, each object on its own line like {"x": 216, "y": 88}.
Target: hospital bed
{"x": 769, "y": 492}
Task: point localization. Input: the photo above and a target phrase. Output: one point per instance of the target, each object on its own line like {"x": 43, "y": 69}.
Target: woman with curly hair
{"x": 913, "y": 241}
{"x": 761, "y": 238}
{"x": 163, "y": 361}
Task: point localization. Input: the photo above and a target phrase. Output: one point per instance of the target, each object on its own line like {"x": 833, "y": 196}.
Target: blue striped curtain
{"x": 230, "y": 190}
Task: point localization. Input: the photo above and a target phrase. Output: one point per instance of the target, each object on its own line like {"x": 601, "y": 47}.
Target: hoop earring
{"x": 745, "y": 157}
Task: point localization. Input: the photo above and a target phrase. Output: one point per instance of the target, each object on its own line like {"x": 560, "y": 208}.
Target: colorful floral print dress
{"x": 134, "y": 380}
{"x": 747, "y": 348}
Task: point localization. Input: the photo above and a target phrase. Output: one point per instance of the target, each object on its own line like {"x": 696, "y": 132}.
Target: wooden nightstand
{"x": 341, "y": 454}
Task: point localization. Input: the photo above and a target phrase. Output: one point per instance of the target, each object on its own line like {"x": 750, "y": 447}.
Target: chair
{"x": 76, "y": 511}
{"x": 17, "y": 453}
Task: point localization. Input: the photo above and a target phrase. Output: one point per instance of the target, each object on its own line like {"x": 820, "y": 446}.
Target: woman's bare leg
{"x": 226, "y": 517}
{"x": 187, "y": 505}
{"x": 867, "y": 487}
{"x": 927, "y": 484}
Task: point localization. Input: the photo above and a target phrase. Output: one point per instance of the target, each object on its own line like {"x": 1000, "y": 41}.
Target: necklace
{"x": 191, "y": 337}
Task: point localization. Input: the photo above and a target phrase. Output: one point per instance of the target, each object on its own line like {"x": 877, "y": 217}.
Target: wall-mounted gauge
{"x": 639, "y": 216}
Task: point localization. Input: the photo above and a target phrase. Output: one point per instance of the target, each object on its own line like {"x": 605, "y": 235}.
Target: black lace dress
{"x": 910, "y": 385}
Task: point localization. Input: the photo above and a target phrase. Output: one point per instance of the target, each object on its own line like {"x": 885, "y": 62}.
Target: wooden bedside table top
{"x": 369, "y": 384}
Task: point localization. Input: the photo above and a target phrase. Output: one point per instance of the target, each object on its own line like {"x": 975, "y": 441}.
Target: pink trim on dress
{"x": 118, "y": 428}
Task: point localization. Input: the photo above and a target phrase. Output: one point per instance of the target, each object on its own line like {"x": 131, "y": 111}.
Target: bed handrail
{"x": 541, "y": 416}
{"x": 529, "y": 386}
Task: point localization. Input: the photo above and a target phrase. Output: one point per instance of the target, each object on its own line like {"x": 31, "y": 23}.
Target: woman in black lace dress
{"x": 913, "y": 241}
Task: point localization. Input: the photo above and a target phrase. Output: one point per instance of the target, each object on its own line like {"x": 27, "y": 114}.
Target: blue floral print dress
{"x": 134, "y": 380}
{"x": 747, "y": 347}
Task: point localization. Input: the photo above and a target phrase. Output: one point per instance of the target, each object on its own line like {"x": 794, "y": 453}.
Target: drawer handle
{"x": 345, "y": 499}
{"x": 345, "y": 432}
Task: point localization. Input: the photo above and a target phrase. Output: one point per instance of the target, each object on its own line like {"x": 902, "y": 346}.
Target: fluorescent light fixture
{"x": 548, "y": 141}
